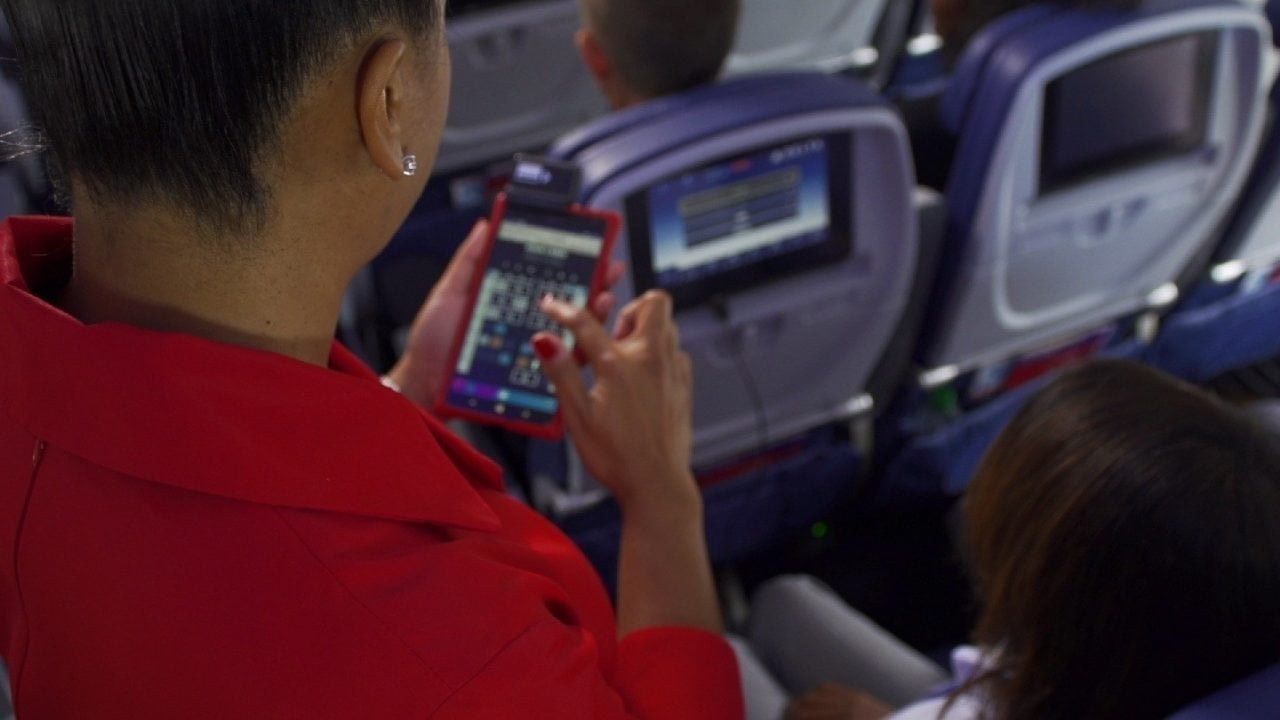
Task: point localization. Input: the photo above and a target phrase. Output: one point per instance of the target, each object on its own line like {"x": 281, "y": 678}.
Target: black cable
{"x": 720, "y": 308}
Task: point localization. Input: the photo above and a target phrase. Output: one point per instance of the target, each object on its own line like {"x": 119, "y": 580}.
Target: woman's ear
{"x": 381, "y": 95}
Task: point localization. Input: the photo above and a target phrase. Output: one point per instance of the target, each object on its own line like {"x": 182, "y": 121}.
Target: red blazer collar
{"x": 219, "y": 419}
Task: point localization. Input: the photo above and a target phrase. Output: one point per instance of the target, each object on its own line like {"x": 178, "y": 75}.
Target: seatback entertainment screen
{"x": 740, "y": 221}
{"x": 1126, "y": 109}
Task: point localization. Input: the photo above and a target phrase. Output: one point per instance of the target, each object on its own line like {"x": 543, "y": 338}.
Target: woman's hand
{"x": 837, "y": 702}
{"x": 423, "y": 369}
{"x": 634, "y": 431}
{"x": 633, "y": 427}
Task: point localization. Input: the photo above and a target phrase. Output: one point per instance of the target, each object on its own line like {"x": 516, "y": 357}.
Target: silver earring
{"x": 410, "y": 165}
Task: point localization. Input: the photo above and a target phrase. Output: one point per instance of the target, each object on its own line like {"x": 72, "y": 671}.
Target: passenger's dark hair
{"x": 182, "y": 101}
{"x": 1124, "y": 534}
{"x": 665, "y": 46}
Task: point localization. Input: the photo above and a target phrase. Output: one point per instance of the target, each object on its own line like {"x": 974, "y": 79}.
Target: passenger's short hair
{"x": 182, "y": 101}
{"x": 661, "y": 47}
{"x": 1124, "y": 532}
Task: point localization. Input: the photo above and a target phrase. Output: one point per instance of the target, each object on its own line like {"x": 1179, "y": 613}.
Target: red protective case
{"x": 554, "y": 429}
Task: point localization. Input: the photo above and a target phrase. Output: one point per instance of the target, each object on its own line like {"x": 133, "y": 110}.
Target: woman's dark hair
{"x": 1124, "y": 533}
{"x": 182, "y": 100}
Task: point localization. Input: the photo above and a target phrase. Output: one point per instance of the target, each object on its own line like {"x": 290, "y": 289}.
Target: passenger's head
{"x": 638, "y": 50}
{"x": 211, "y": 108}
{"x": 1124, "y": 533}
{"x": 957, "y": 21}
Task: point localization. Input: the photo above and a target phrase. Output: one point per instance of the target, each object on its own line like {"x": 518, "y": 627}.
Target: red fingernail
{"x": 546, "y": 348}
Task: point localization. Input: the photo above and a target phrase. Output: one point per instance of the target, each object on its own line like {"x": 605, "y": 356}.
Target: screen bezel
{"x": 837, "y": 247}
{"x": 554, "y": 429}
{"x": 1053, "y": 180}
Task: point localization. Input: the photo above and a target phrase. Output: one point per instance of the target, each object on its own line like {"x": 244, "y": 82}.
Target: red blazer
{"x": 192, "y": 530}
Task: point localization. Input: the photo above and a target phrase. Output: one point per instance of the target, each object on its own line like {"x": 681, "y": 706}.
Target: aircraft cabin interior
{"x": 865, "y": 307}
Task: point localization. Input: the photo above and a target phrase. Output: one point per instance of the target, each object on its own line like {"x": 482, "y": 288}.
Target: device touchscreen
{"x": 497, "y": 376}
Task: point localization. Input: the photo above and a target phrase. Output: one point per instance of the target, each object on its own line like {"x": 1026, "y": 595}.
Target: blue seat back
{"x": 1037, "y": 253}
{"x": 774, "y": 358}
{"x": 18, "y": 172}
{"x": 1036, "y": 274}
{"x": 518, "y": 82}
{"x": 1252, "y": 240}
{"x": 13, "y": 195}
{"x": 1228, "y": 321}
{"x": 1254, "y": 698}
{"x": 829, "y": 36}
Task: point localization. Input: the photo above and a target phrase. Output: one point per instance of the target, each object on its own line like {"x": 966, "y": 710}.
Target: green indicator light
{"x": 945, "y": 400}
{"x": 820, "y": 530}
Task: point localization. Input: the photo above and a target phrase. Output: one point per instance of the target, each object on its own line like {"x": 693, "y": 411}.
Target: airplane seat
{"x": 778, "y": 212}
{"x": 518, "y": 82}
{"x": 898, "y": 26}
{"x": 14, "y": 198}
{"x": 920, "y": 84}
{"x": 920, "y": 69}
{"x": 970, "y": 69}
{"x": 384, "y": 298}
{"x": 15, "y": 173}
{"x": 835, "y": 36}
{"x": 1098, "y": 154}
{"x": 1227, "y": 321}
{"x": 1255, "y": 697}
{"x": 579, "y": 139}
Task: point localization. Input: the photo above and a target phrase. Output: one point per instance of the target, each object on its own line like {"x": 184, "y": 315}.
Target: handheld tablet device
{"x": 540, "y": 243}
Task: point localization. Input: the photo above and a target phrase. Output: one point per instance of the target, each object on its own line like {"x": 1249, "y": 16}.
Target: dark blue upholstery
{"x": 1200, "y": 343}
{"x": 1263, "y": 185}
{"x": 1273, "y": 14}
{"x": 746, "y": 514}
{"x": 710, "y": 103}
{"x": 945, "y": 460}
{"x": 611, "y": 145}
{"x": 973, "y": 62}
{"x": 18, "y": 181}
{"x": 621, "y": 155}
{"x": 1226, "y": 326}
{"x": 574, "y": 141}
{"x": 968, "y": 326}
{"x": 1257, "y": 697}
{"x": 1017, "y": 45}
{"x": 991, "y": 300}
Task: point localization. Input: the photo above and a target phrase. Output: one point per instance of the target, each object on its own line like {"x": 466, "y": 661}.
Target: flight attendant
{"x": 207, "y": 508}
